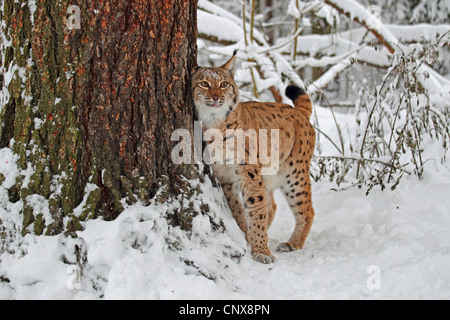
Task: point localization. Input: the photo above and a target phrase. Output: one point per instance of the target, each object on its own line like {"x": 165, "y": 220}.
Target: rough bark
{"x": 90, "y": 111}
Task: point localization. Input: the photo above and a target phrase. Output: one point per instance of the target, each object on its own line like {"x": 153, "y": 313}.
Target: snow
{"x": 387, "y": 245}
{"x": 399, "y": 240}
{"x": 210, "y": 22}
{"x": 330, "y": 75}
{"x": 32, "y": 7}
{"x": 214, "y": 26}
{"x": 293, "y": 10}
{"x": 8, "y": 167}
{"x": 418, "y": 31}
{"x": 40, "y": 205}
{"x": 87, "y": 191}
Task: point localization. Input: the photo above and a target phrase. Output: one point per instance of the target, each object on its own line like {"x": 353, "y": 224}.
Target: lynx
{"x": 250, "y": 193}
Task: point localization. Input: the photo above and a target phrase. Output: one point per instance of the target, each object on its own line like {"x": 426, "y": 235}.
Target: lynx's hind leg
{"x": 271, "y": 208}
{"x": 297, "y": 191}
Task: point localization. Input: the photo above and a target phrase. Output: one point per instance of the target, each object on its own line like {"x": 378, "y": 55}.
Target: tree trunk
{"x": 90, "y": 111}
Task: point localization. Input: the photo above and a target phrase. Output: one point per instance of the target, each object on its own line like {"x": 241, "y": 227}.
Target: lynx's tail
{"x": 300, "y": 98}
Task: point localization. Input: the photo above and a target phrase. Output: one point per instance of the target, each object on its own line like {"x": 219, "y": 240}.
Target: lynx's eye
{"x": 224, "y": 85}
{"x": 204, "y": 84}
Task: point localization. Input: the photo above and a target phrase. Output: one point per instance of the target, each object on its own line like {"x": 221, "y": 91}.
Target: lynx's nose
{"x": 215, "y": 100}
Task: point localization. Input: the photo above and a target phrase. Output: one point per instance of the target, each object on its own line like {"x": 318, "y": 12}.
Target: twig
{"x": 326, "y": 136}
{"x": 293, "y": 38}
{"x": 297, "y": 21}
{"x": 252, "y": 20}
{"x": 362, "y": 160}
{"x": 244, "y": 24}
{"x": 338, "y": 127}
{"x": 276, "y": 94}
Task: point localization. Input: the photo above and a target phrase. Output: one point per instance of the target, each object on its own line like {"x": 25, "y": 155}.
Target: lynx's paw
{"x": 287, "y": 247}
{"x": 262, "y": 258}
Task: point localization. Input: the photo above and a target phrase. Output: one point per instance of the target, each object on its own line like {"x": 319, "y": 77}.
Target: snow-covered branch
{"x": 356, "y": 12}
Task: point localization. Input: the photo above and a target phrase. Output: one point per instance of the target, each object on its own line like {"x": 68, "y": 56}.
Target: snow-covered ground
{"x": 387, "y": 245}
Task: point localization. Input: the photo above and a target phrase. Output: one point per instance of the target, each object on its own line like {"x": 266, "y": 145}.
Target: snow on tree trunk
{"x": 89, "y": 111}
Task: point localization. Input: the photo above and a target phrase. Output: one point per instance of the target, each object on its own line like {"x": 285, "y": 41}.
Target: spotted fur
{"x": 249, "y": 193}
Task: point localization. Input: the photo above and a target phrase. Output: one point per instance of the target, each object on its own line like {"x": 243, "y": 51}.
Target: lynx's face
{"x": 215, "y": 93}
{"x": 214, "y": 88}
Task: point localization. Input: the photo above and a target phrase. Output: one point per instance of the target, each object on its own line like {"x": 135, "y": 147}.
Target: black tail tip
{"x": 293, "y": 92}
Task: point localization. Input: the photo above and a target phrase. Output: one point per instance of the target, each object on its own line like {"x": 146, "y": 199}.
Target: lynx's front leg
{"x": 232, "y": 194}
{"x": 254, "y": 198}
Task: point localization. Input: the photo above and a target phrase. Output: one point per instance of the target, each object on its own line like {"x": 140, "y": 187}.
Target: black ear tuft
{"x": 293, "y": 92}
{"x": 197, "y": 68}
{"x": 235, "y": 52}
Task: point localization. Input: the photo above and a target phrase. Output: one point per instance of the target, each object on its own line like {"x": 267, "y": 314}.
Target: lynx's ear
{"x": 231, "y": 64}
{"x": 195, "y": 69}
